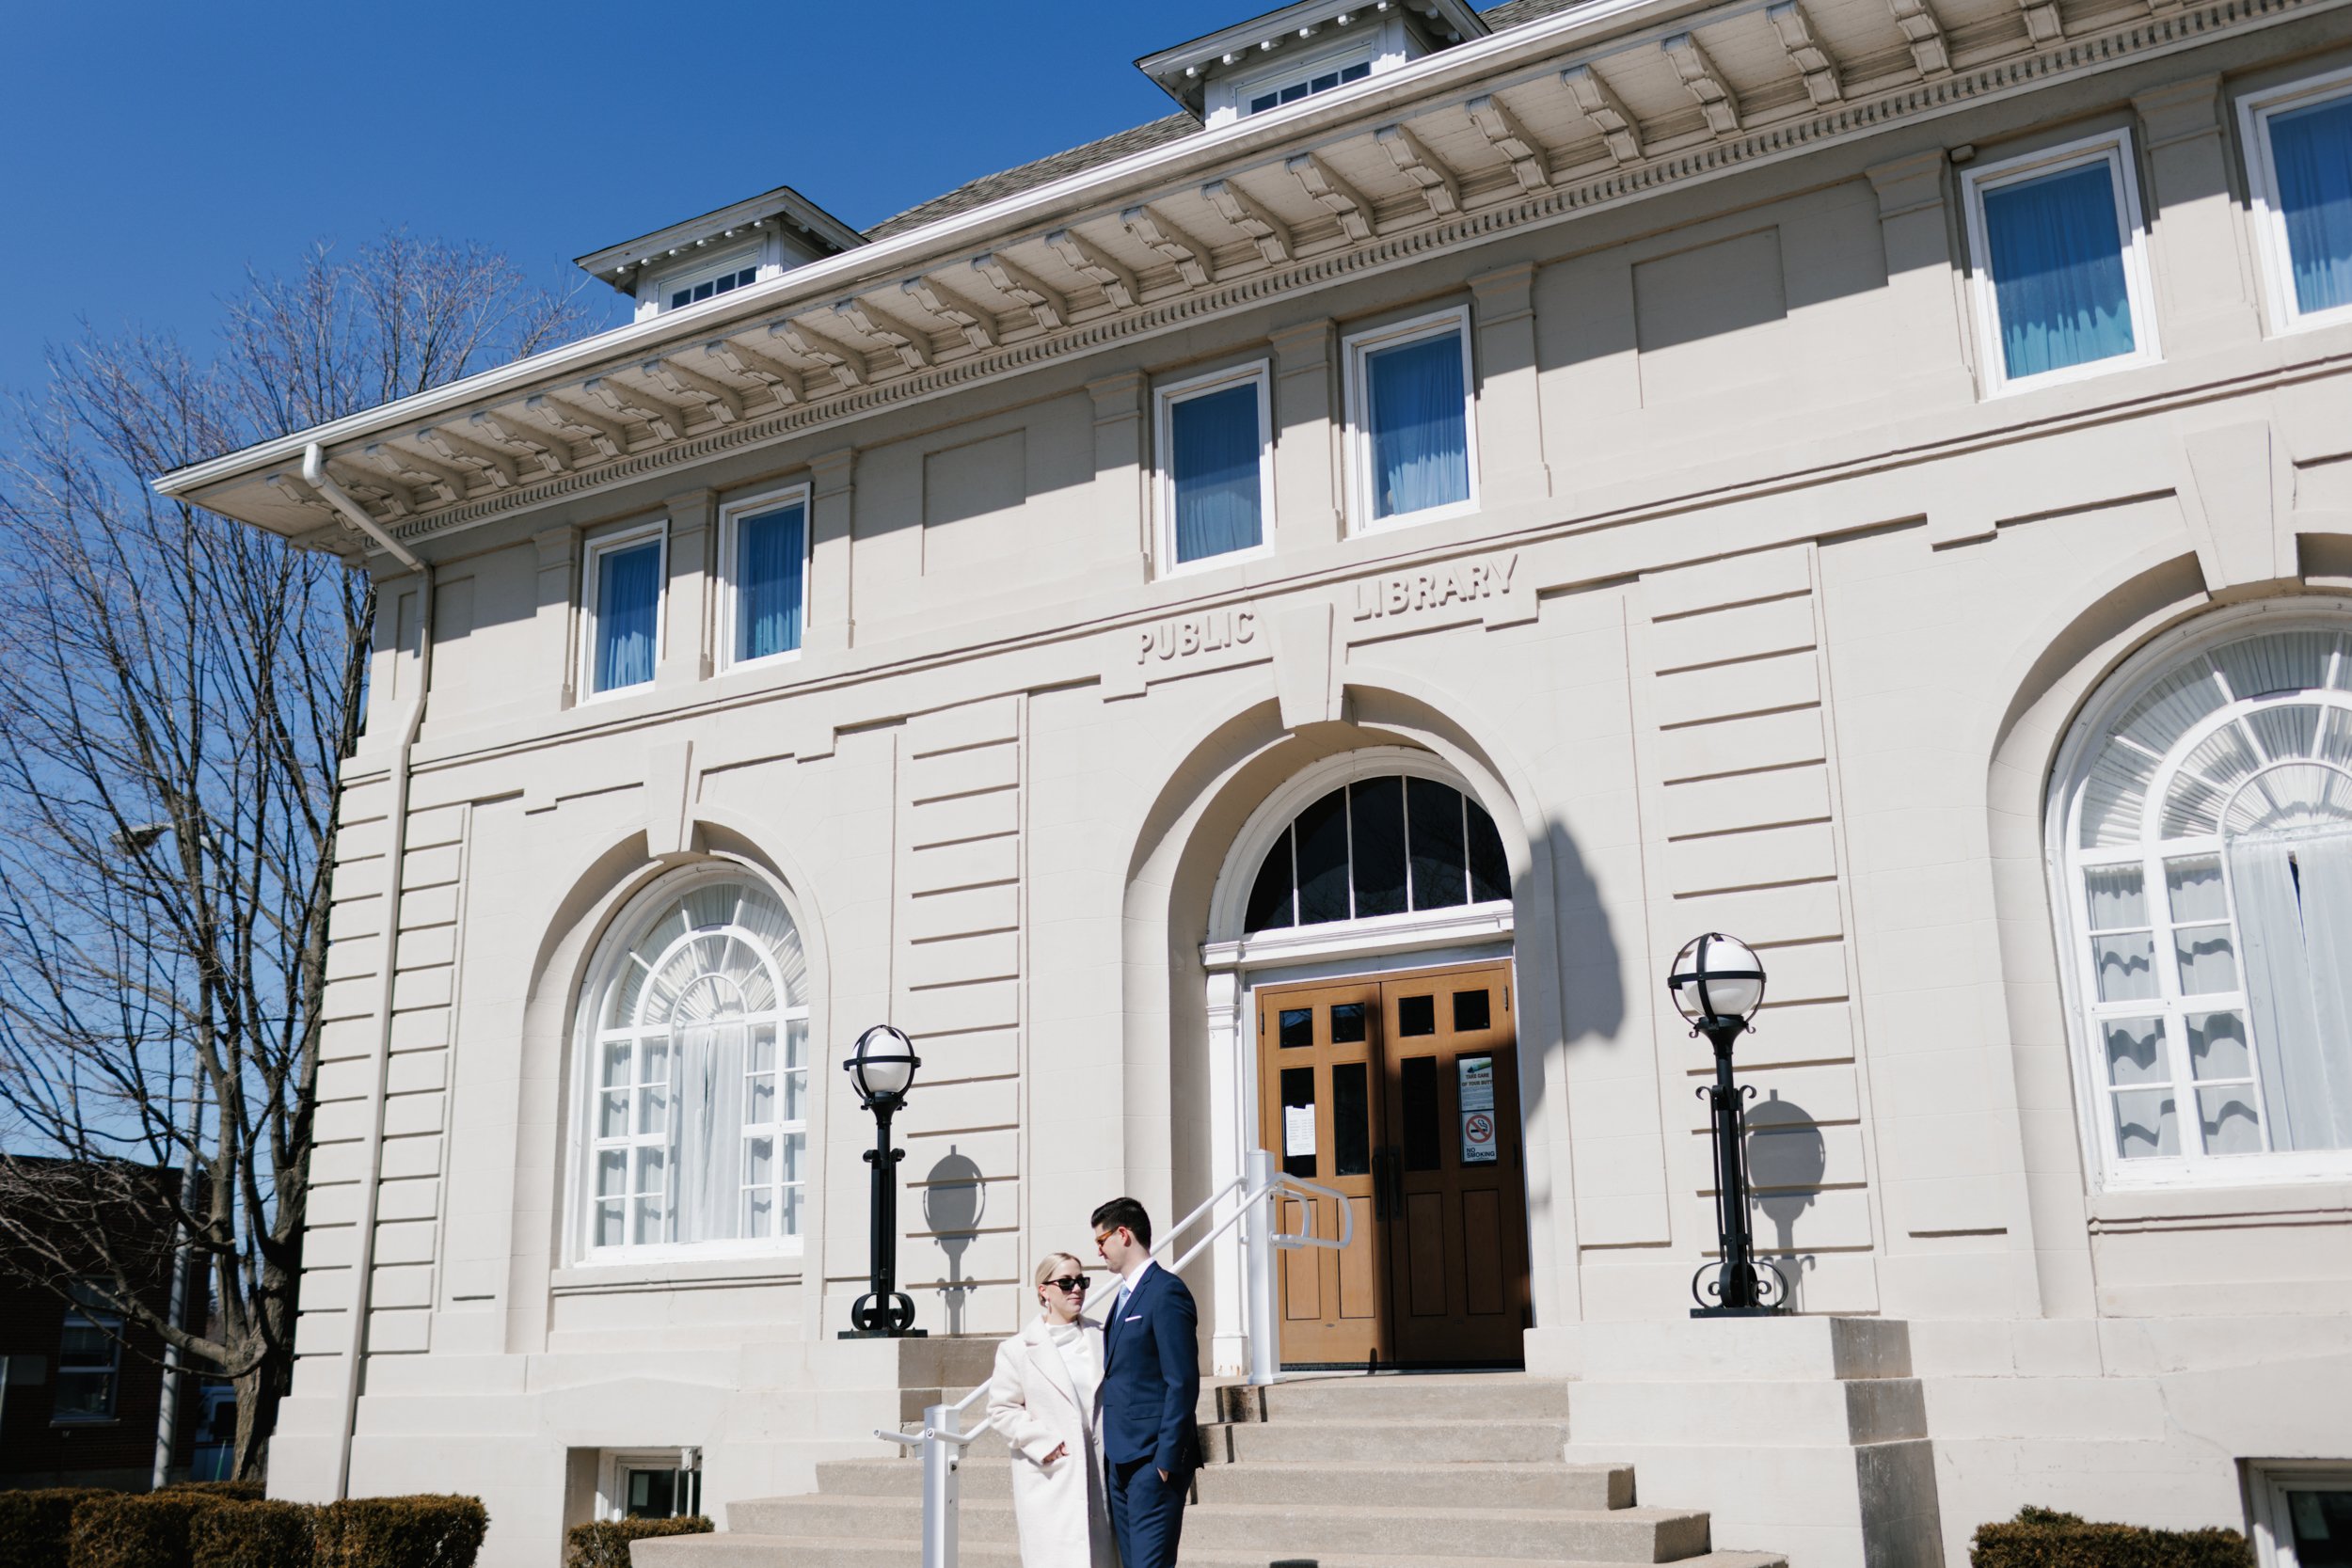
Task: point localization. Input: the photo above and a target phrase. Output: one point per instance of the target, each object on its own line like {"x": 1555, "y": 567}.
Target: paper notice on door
{"x": 1478, "y": 1137}
{"x": 1298, "y": 1131}
{"x": 1478, "y": 1082}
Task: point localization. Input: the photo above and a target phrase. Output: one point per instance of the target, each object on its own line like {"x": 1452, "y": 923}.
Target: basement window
{"x": 2303, "y": 1515}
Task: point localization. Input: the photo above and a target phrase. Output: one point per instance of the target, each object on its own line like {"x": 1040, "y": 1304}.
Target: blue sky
{"x": 153, "y": 149}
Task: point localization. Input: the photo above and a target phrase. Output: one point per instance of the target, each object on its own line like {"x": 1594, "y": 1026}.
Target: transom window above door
{"x": 1385, "y": 846}
{"x": 2209, "y": 876}
{"x": 695, "y": 1108}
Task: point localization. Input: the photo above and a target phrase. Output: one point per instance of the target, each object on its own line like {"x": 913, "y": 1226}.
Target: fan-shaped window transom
{"x": 1386, "y": 845}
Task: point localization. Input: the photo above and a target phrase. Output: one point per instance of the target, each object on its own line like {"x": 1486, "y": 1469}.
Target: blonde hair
{"x": 1051, "y": 1265}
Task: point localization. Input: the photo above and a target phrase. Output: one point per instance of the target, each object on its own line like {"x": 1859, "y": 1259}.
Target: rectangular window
{"x": 1272, "y": 96}
{"x": 764, "y": 542}
{"x": 622, "y": 590}
{"x": 705, "y": 279}
{"x": 89, "y": 1361}
{"x": 1216, "y": 483}
{"x": 2059, "y": 263}
{"x": 1412, "y": 457}
{"x": 2299, "y": 141}
{"x": 2302, "y": 1515}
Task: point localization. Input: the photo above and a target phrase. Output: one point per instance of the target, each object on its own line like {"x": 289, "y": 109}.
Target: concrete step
{"x": 1392, "y": 1396}
{"x": 1286, "y": 1528}
{"x": 770, "y": 1551}
{"x": 1415, "y": 1442}
{"x": 1420, "y": 1486}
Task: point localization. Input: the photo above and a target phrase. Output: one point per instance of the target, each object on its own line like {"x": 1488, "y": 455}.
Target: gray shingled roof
{"x": 1158, "y": 133}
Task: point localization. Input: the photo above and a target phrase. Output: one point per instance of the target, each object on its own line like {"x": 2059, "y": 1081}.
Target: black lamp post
{"x": 882, "y": 1069}
{"x": 1718, "y": 984}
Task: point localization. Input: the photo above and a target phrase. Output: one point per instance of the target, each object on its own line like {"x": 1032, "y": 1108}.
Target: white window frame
{"x": 591, "y": 583}
{"x": 1384, "y": 45}
{"x": 2274, "y": 1531}
{"x": 1164, "y": 471}
{"x": 690, "y": 273}
{"x": 2114, "y": 148}
{"x": 1357, "y": 348}
{"x": 2066, "y": 862}
{"x": 2255, "y": 112}
{"x": 730, "y": 563}
{"x": 613, "y": 1463}
{"x": 580, "y": 1135}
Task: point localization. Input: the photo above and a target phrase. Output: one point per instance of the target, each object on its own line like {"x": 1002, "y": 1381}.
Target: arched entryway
{"x": 1359, "y": 976}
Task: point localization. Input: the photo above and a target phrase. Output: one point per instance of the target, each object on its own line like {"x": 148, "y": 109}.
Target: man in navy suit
{"x": 1151, "y": 1389}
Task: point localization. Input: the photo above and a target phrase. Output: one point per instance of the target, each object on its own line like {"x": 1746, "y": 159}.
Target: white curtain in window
{"x": 707, "y": 1150}
{"x": 2294, "y": 923}
{"x": 1419, "y": 435}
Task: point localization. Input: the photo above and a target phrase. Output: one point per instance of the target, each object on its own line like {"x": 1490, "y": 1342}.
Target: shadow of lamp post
{"x": 952, "y": 1201}
{"x": 1718, "y": 984}
{"x": 882, "y": 1069}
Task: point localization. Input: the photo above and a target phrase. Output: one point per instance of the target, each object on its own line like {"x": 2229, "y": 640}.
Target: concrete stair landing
{"x": 1350, "y": 1471}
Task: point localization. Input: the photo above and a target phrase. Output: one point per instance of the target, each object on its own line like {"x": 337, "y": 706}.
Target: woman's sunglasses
{"x": 1070, "y": 1286}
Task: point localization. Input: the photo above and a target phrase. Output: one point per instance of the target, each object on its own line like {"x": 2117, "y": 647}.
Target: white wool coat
{"x": 1062, "y": 1510}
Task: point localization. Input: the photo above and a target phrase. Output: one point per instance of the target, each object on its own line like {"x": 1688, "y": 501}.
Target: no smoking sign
{"x": 1478, "y": 1138}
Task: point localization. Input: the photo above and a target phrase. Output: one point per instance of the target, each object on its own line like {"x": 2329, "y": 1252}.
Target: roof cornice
{"x": 840, "y": 337}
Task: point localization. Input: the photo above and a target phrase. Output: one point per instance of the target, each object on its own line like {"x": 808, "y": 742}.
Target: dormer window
{"x": 720, "y": 252}
{"x": 1290, "y": 92}
{"x": 709, "y": 279}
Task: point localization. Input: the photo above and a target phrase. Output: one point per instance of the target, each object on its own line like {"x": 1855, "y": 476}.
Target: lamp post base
{"x": 1738, "y": 1312}
{"x": 885, "y": 1334}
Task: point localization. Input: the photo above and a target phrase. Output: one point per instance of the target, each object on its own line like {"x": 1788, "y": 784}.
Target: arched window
{"x": 1379, "y": 846}
{"x": 698, "y": 1077}
{"x": 2208, "y": 859}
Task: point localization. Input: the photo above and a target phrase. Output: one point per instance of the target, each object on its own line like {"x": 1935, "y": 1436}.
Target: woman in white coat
{"x": 1044, "y": 1397}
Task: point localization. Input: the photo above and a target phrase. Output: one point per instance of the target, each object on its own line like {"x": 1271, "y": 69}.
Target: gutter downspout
{"x": 315, "y": 475}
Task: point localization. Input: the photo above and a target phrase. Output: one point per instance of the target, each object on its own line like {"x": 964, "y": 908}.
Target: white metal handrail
{"x": 942, "y": 1437}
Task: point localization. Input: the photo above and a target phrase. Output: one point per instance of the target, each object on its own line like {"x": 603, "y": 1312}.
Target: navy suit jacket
{"x": 1151, "y": 1376}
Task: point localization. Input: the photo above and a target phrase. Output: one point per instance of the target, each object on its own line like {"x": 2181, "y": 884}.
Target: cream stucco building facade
{"x": 1650, "y": 431}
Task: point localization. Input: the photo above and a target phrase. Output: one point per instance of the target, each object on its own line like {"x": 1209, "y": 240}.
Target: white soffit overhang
{"x": 1587, "y": 109}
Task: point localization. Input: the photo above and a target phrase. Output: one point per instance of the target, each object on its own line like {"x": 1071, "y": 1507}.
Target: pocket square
{"x": 1135, "y": 1318}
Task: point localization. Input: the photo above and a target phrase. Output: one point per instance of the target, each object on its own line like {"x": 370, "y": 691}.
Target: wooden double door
{"x": 1400, "y": 1091}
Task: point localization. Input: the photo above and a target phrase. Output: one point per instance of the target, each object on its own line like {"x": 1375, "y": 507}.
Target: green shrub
{"x": 2044, "y": 1538}
{"x": 36, "y": 1525}
{"x": 605, "y": 1544}
{"x": 226, "y": 1490}
{"x": 428, "y": 1532}
{"x": 122, "y": 1530}
{"x": 255, "y": 1535}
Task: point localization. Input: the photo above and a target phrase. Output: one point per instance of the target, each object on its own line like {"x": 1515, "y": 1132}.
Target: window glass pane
{"x": 2115, "y": 896}
{"x": 1269, "y": 905}
{"x": 2193, "y": 886}
{"x": 2311, "y": 150}
{"x": 2144, "y": 1124}
{"x": 1325, "y": 83}
{"x": 2057, "y": 259}
{"x": 1295, "y": 1027}
{"x": 2208, "y": 960}
{"x": 2135, "y": 1048}
{"x": 610, "y": 1231}
{"x": 1473, "y": 1011}
{"x": 1351, "y": 1120}
{"x": 612, "y": 1116}
{"x": 1435, "y": 816}
{"x": 1416, "y": 1015}
{"x": 1262, "y": 102}
{"x": 1298, "y": 1093}
{"x": 2227, "y": 1117}
{"x": 762, "y": 1109}
{"x": 2322, "y": 1523}
{"x": 1213, "y": 462}
{"x": 769, "y": 554}
{"x": 1321, "y": 831}
{"x": 1347, "y": 1023}
{"x": 1419, "y": 442}
{"x": 653, "y": 1109}
{"x": 1489, "y": 872}
{"x": 628, "y": 595}
{"x": 82, "y": 1396}
{"x": 616, "y": 1061}
{"x": 611, "y": 1173}
{"x": 2217, "y": 1045}
{"x": 1356, "y": 73}
{"x": 1377, "y": 811}
{"x": 763, "y": 1057}
{"x": 2126, "y": 965}
{"x": 1293, "y": 93}
{"x": 1418, "y": 1088}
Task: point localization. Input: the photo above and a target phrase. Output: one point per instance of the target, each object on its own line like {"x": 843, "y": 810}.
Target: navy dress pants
{"x": 1147, "y": 1514}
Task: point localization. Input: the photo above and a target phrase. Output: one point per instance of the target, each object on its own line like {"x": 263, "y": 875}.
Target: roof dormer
{"x": 1293, "y": 54}
{"x": 721, "y": 252}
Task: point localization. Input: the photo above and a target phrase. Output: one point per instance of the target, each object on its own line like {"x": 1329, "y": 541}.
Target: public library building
{"x": 1270, "y": 631}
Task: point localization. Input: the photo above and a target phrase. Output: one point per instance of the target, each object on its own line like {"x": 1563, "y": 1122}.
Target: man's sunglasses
{"x": 1070, "y": 1286}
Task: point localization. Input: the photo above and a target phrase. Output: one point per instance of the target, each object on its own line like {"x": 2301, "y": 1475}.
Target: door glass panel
{"x": 1347, "y": 1022}
{"x": 1322, "y": 836}
{"x": 1417, "y": 1014}
{"x": 1296, "y": 1027}
{"x": 1418, "y": 1113}
{"x": 1298, "y": 1122}
{"x": 1489, "y": 871}
{"x": 1377, "y": 809}
{"x": 1471, "y": 1010}
{"x": 1436, "y": 813}
{"x": 1351, "y": 1120}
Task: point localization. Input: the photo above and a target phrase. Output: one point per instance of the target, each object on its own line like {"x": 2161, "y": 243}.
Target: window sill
{"x": 2285, "y": 1199}
{"x": 589, "y": 1279}
{"x": 70, "y": 1422}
